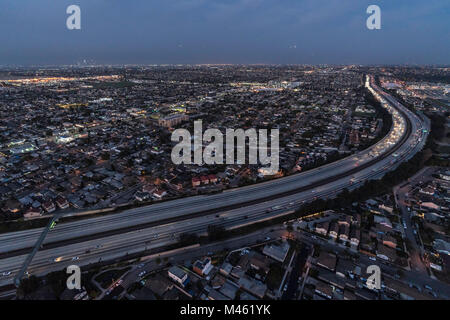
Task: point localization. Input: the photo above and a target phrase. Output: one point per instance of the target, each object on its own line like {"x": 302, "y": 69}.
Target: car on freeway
{"x": 143, "y": 273}
{"x": 75, "y": 258}
{"x": 6, "y": 273}
{"x": 413, "y": 285}
{"x": 428, "y": 287}
{"x": 58, "y": 259}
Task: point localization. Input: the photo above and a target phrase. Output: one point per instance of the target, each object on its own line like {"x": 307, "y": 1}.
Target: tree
{"x": 215, "y": 232}
{"x": 57, "y": 280}
{"x": 105, "y": 156}
{"x": 27, "y": 286}
{"x": 289, "y": 228}
{"x": 188, "y": 239}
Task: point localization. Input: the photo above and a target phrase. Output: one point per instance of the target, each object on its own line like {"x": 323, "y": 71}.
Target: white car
{"x": 75, "y": 258}
{"x": 6, "y": 273}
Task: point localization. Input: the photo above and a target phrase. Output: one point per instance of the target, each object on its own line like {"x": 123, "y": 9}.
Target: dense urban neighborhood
{"x": 107, "y": 142}
{"x": 86, "y": 178}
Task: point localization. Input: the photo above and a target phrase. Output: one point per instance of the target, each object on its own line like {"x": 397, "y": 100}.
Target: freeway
{"x": 138, "y": 229}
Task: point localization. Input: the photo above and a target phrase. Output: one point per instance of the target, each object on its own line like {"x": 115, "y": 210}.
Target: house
{"x": 345, "y": 268}
{"x": 334, "y": 230}
{"x": 202, "y": 267}
{"x": 195, "y": 182}
{"x": 226, "y": 268}
{"x": 349, "y": 295}
{"x": 327, "y": 260}
{"x": 32, "y": 213}
{"x": 389, "y": 241}
{"x": 173, "y": 120}
{"x": 430, "y": 205}
{"x": 218, "y": 281}
{"x": 333, "y": 279}
{"x": 148, "y": 188}
{"x": 345, "y": 220}
{"x": 383, "y": 221}
{"x": 212, "y": 178}
{"x": 178, "y": 275}
{"x": 229, "y": 289}
{"x": 356, "y": 220}
{"x": 253, "y": 286}
{"x": 355, "y": 235}
{"x": 159, "y": 194}
{"x": 445, "y": 176}
{"x": 260, "y": 263}
{"x": 429, "y": 190}
{"x": 441, "y": 246}
{"x": 322, "y": 228}
{"x": 386, "y": 253}
{"x": 62, "y": 202}
{"x": 324, "y": 289}
{"x": 141, "y": 196}
{"x": 13, "y": 206}
{"x": 49, "y": 206}
{"x": 344, "y": 231}
{"x": 216, "y": 295}
{"x": 386, "y": 208}
{"x": 277, "y": 252}
{"x": 204, "y": 179}
{"x": 366, "y": 242}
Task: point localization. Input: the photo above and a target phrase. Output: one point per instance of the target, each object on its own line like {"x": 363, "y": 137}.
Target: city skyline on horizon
{"x": 196, "y": 32}
{"x": 5, "y": 67}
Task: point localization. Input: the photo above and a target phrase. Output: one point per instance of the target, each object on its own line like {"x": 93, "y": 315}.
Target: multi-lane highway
{"x": 86, "y": 241}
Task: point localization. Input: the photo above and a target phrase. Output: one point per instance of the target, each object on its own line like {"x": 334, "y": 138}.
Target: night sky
{"x": 225, "y": 31}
